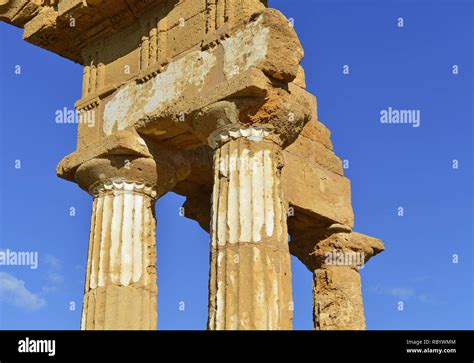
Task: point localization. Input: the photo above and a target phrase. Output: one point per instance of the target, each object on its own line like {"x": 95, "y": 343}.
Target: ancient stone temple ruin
{"x": 206, "y": 99}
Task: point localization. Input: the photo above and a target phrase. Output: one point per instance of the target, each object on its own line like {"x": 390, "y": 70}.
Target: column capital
{"x": 117, "y": 186}
{"x": 116, "y": 174}
{"x": 328, "y": 247}
{"x": 235, "y": 131}
{"x": 279, "y": 117}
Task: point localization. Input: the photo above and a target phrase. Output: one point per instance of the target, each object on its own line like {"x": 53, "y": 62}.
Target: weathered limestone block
{"x": 315, "y": 152}
{"x": 316, "y": 190}
{"x": 318, "y": 132}
{"x": 46, "y": 18}
{"x": 250, "y": 277}
{"x": 337, "y": 299}
{"x": 335, "y": 255}
{"x": 237, "y": 66}
{"x": 126, "y": 142}
{"x": 18, "y": 12}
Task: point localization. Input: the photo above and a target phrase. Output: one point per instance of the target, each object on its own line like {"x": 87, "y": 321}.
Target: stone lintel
{"x": 316, "y": 190}
{"x": 66, "y": 27}
{"x": 18, "y": 12}
{"x": 247, "y": 64}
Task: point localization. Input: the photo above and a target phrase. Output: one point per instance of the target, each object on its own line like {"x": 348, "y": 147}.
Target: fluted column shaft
{"x": 250, "y": 274}
{"x": 120, "y": 289}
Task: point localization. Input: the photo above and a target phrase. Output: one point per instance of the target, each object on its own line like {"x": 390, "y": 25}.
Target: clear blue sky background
{"x": 390, "y": 166}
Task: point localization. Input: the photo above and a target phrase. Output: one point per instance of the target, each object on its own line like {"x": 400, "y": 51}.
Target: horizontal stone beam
{"x": 316, "y": 190}
{"x": 240, "y": 65}
{"x": 18, "y": 12}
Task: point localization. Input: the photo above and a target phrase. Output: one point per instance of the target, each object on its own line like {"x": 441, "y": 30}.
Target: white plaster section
{"x": 138, "y": 237}
{"x": 222, "y": 215}
{"x": 134, "y": 101}
{"x": 280, "y": 213}
{"x": 115, "y": 235}
{"x": 233, "y": 196}
{"x": 215, "y": 198}
{"x": 190, "y": 70}
{"x": 245, "y": 49}
{"x": 149, "y": 233}
{"x": 257, "y": 196}
{"x": 245, "y": 197}
{"x": 247, "y": 210}
{"x": 123, "y": 220}
{"x": 105, "y": 230}
{"x": 126, "y": 237}
{"x": 268, "y": 193}
{"x": 118, "y": 110}
{"x": 93, "y": 247}
{"x": 247, "y": 206}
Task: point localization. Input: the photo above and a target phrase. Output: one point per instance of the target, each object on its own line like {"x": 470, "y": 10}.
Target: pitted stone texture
{"x": 314, "y": 152}
{"x": 335, "y": 256}
{"x": 319, "y": 192}
{"x": 120, "y": 291}
{"x": 156, "y": 176}
{"x": 337, "y": 299}
{"x": 133, "y": 101}
{"x": 18, "y": 12}
{"x": 98, "y": 20}
{"x": 250, "y": 278}
{"x": 190, "y": 81}
{"x": 312, "y": 245}
{"x": 250, "y": 288}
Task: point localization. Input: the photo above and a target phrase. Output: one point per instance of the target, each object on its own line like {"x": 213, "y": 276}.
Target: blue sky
{"x": 390, "y": 166}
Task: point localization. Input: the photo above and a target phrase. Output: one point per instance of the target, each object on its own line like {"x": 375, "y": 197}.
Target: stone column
{"x": 337, "y": 299}
{"x": 335, "y": 256}
{"x": 250, "y": 273}
{"x": 120, "y": 288}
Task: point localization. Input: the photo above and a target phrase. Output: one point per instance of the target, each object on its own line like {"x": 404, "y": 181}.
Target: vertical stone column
{"x": 337, "y": 290}
{"x": 337, "y": 299}
{"x": 335, "y": 256}
{"x": 250, "y": 273}
{"x": 120, "y": 289}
